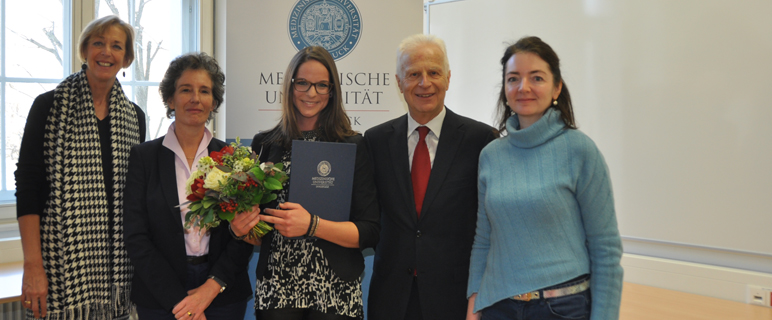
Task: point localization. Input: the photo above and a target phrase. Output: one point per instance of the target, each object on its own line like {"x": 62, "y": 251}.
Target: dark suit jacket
{"x": 348, "y": 263}
{"x": 154, "y": 235}
{"x": 438, "y": 244}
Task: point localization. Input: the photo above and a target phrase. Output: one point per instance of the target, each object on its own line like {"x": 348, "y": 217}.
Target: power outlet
{"x": 760, "y": 296}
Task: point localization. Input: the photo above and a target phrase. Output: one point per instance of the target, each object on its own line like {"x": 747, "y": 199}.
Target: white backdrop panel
{"x": 675, "y": 93}
{"x": 258, "y": 50}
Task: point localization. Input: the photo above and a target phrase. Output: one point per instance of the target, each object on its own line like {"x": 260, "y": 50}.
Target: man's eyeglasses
{"x": 304, "y": 85}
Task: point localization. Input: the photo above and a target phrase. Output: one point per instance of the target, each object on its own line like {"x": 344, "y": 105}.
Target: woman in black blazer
{"x": 313, "y": 277}
{"x": 182, "y": 273}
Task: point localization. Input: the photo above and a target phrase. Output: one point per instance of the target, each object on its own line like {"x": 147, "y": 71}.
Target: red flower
{"x": 197, "y": 189}
{"x": 227, "y": 150}
{"x": 217, "y": 157}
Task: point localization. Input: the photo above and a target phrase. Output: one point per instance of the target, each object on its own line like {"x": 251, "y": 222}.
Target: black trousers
{"x": 297, "y": 314}
{"x": 414, "y": 303}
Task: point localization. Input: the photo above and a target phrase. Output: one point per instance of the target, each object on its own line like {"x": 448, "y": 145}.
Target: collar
{"x": 549, "y": 126}
{"x": 435, "y": 125}
{"x": 171, "y": 143}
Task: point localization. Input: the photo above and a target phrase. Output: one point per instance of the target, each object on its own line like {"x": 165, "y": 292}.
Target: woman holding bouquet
{"x": 547, "y": 244}
{"x": 70, "y": 181}
{"x": 182, "y": 273}
{"x": 313, "y": 277}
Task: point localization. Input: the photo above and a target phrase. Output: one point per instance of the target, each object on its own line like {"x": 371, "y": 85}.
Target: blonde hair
{"x": 99, "y": 27}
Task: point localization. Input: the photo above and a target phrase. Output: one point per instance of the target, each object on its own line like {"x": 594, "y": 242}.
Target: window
{"x": 36, "y": 53}
{"x": 159, "y": 38}
{"x": 32, "y": 61}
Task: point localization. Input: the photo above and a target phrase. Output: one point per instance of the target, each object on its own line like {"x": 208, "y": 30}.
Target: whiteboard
{"x": 676, "y": 94}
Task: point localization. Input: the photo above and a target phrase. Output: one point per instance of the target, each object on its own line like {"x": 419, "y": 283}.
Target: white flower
{"x": 243, "y": 165}
{"x": 206, "y": 164}
{"x": 215, "y": 178}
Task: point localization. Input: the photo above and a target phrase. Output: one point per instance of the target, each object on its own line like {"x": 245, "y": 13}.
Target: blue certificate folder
{"x": 322, "y": 178}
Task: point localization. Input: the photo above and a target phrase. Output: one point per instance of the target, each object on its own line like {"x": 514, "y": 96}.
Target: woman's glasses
{"x": 304, "y": 85}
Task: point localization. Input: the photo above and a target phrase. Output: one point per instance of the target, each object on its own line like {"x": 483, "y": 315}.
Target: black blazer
{"x": 438, "y": 244}
{"x": 348, "y": 263}
{"x": 154, "y": 235}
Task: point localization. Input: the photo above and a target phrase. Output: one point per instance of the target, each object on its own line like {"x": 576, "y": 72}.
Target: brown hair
{"x": 99, "y": 27}
{"x": 333, "y": 123}
{"x": 544, "y": 51}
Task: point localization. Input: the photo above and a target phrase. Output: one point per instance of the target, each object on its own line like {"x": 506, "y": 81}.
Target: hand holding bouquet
{"x": 231, "y": 181}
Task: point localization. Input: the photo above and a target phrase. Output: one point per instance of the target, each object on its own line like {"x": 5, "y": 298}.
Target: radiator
{"x": 11, "y": 311}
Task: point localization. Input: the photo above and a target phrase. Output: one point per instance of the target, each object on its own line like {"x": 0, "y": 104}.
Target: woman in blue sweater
{"x": 547, "y": 244}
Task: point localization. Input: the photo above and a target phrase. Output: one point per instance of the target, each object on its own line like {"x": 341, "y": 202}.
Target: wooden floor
{"x": 641, "y": 302}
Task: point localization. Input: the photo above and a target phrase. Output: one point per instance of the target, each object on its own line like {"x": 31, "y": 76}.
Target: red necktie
{"x": 421, "y": 169}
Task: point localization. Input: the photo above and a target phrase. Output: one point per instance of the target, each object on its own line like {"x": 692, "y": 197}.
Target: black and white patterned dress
{"x": 298, "y": 274}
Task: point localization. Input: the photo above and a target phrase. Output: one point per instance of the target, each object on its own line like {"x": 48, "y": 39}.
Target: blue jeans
{"x": 197, "y": 275}
{"x": 575, "y": 306}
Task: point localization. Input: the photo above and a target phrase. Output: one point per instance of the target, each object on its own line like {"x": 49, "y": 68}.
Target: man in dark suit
{"x": 427, "y": 190}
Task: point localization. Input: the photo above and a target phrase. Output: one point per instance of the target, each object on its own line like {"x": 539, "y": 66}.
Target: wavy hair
{"x": 192, "y": 61}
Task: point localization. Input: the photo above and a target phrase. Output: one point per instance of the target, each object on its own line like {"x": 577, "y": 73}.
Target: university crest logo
{"x": 323, "y": 168}
{"x": 332, "y": 24}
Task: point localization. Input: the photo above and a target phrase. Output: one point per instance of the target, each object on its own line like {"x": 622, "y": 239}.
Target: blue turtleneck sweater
{"x": 545, "y": 216}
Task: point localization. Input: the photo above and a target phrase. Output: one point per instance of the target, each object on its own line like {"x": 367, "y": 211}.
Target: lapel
{"x": 452, "y": 132}
{"x": 168, "y": 175}
{"x": 399, "y": 161}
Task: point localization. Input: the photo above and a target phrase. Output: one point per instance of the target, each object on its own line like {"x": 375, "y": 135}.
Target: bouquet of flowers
{"x": 231, "y": 181}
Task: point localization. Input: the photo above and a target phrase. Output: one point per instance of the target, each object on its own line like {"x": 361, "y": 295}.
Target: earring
{"x": 124, "y": 74}
{"x": 84, "y": 66}
{"x": 555, "y": 102}
{"x": 506, "y": 103}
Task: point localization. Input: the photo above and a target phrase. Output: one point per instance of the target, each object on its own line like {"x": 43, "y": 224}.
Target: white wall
{"x": 676, "y": 95}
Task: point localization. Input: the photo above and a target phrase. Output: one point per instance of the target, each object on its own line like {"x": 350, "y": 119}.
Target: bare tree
{"x": 56, "y": 45}
{"x": 143, "y": 52}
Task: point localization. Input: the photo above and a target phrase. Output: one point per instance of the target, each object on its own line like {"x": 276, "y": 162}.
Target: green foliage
{"x": 268, "y": 197}
{"x": 227, "y": 216}
{"x": 272, "y": 184}
{"x": 195, "y": 206}
{"x": 208, "y": 202}
{"x": 239, "y": 176}
{"x": 248, "y": 185}
{"x": 257, "y": 174}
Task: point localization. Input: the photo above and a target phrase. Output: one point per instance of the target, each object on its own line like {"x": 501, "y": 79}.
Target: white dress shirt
{"x": 196, "y": 242}
{"x": 432, "y": 139}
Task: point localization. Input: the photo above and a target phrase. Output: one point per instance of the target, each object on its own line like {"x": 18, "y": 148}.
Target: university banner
{"x": 362, "y": 36}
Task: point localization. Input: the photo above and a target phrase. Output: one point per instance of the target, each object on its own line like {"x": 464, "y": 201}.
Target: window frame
{"x": 76, "y": 15}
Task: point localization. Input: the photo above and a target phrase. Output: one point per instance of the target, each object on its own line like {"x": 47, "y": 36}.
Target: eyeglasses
{"x": 304, "y": 85}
